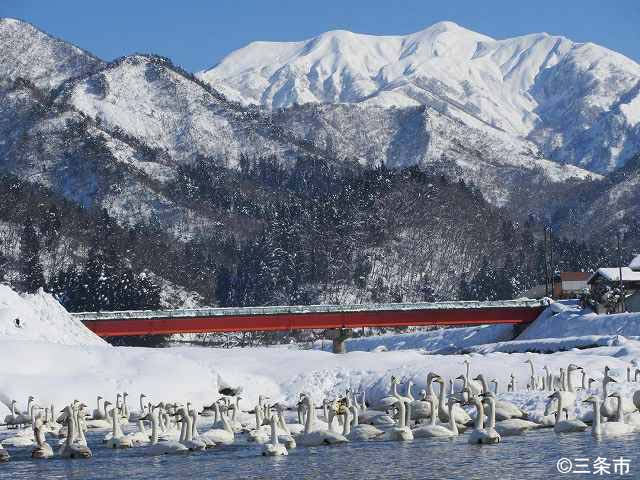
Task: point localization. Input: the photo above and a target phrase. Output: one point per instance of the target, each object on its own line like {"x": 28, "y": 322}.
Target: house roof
{"x": 575, "y": 276}
{"x": 613, "y": 274}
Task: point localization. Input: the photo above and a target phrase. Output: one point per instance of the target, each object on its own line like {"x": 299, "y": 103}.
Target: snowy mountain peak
{"x": 32, "y": 54}
{"x": 566, "y": 97}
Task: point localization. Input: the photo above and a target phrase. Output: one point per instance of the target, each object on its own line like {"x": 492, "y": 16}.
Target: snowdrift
{"x": 39, "y": 317}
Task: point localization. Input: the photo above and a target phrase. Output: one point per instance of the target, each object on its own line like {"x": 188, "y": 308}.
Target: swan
{"x": 460, "y": 416}
{"x": 606, "y": 406}
{"x": 389, "y": 401}
{"x": 135, "y": 416}
{"x": 11, "y": 418}
{"x": 433, "y": 430}
{"x": 608, "y": 429}
{"x": 43, "y": 450}
{"x": 223, "y": 436}
{"x": 512, "y": 384}
{"x": 400, "y": 432}
{"x": 510, "y": 426}
{"x": 70, "y": 449}
{"x": 313, "y": 438}
{"x": 274, "y": 448}
{"x": 285, "y": 437}
{"x": 186, "y": 434}
{"x": 503, "y": 410}
{"x": 568, "y": 425}
{"x": 532, "y": 379}
{"x": 141, "y": 436}
{"x": 161, "y": 448}
{"x": 117, "y": 439}
{"x": 196, "y": 436}
{"x": 258, "y": 434}
{"x": 98, "y": 413}
{"x": 473, "y": 386}
{"x": 361, "y": 432}
{"x": 481, "y": 435}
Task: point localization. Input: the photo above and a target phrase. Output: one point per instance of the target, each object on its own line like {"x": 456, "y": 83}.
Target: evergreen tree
{"x": 31, "y": 271}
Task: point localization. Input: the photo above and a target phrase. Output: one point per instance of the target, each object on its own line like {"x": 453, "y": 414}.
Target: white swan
{"x": 389, "y": 401}
{"x": 481, "y": 435}
{"x": 361, "y": 432}
{"x": 400, "y": 432}
{"x": 43, "y": 450}
{"x": 274, "y": 448}
{"x": 503, "y": 410}
{"x": 11, "y": 418}
{"x": 208, "y": 443}
{"x": 433, "y": 430}
{"x": 222, "y": 436}
{"x": 135, "y": 416}
{"x": 314, "y": 438}
{"x": 161, "y": 448}
{"x": 511, "y": 426}
{"x": 98, "y": 413}
{"x": 117, "y": 439}
{"x": 608, "y": 429}
{"x": 460, "y": 416}
{"x": 568, "y": 425}
{"x": 186, "y": 433}
{"x": 69, "y": 449}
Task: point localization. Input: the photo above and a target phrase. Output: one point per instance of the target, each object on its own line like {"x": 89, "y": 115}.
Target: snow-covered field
{"x": 55, "y": 359}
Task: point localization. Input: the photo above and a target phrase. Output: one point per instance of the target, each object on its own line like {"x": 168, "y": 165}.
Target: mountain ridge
{"x": 517, "y": 85}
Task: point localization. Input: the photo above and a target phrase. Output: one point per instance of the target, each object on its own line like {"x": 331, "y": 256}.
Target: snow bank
{"x": 571, "y": 321}
{"x": 40, "y": 317}
{"x": 443, "y": 340}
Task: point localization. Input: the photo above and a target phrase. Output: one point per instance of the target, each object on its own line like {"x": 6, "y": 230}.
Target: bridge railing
{"x": 306, "y": 309}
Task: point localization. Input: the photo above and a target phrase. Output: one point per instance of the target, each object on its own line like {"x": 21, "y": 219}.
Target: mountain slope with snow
{"x": 558, "y": 93}
{"x": 33, "y": 55}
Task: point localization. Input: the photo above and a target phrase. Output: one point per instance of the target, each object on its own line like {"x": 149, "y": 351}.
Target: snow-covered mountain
{"x": 579, "y": 102}
{"x": 32, "y": 54}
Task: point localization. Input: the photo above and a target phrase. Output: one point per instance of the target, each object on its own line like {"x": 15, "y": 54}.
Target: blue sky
{"x": 197, "y": 33}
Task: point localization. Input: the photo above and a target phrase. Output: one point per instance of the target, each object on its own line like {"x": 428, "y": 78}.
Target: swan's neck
{"x": 429, "y": 386}
{"x": 441, "y": 396}
{"x": 307, "y": 423}
{"x": 364, "y": 402}
{"x": 483, "y": 381}
{"x": 496, "y": 384}
{"x": 479, "y": 424}
{"x": 70, "y": 429}
{"x": 432, "y": 406}
{"x": 559, "y": 408}
{"x": 596, "y": 428}
{"x": 403, "y": 411}
{"x": 141, "y": 405}
{"x": 114, "y": 420}
{"x": 492, "y": 413}
{"x": 274, "y": 432}
{"x": 354, "y": 413}
{"x": 584, "y": 380}
{"x": 346, "y": 424}
{"x": 570, "y": 386}
{"x": 154, "y": 429}
{"x": 258, "y": 419}
{"x": 395, "y": 390}
{"x": 620, "y": 410}
{"x": 605, "y": 392}
{"x": 452, "y": 421}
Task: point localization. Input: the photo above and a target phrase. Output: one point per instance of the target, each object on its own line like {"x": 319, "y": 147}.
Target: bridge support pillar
{"x": 338, "y": 337}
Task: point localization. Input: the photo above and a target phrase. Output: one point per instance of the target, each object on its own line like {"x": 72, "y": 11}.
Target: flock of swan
{"x": 440, "y": 411}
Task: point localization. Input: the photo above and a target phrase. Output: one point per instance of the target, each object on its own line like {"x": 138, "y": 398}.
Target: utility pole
{"x": 620, "y": 270}
{"x": 546, "y": 270}
{"x": 551, "y": 267}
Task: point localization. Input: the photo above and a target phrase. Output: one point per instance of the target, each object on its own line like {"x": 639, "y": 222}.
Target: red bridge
{"x": 202, "y": 320}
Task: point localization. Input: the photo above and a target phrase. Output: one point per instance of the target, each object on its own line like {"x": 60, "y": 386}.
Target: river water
{"x": 531, "y": 456}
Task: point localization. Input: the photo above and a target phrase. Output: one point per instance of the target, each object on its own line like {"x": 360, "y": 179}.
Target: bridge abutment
{"x": 338, "y": 336}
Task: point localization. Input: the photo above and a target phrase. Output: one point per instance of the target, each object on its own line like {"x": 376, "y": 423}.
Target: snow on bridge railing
{"x": 305, "y": 309}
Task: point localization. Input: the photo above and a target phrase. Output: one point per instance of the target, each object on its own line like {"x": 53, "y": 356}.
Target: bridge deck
{"x": 203, "y": 320}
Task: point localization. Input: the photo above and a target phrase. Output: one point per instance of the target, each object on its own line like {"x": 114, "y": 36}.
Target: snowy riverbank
{"x": 73, "y": 363}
